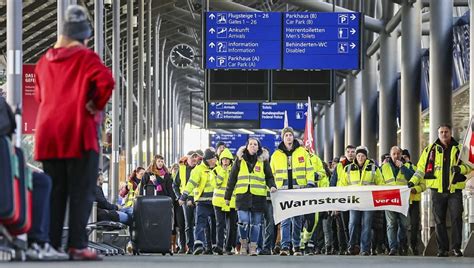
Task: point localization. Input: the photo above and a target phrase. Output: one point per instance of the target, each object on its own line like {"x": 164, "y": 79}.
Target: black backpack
{"x": 7, "y": 119}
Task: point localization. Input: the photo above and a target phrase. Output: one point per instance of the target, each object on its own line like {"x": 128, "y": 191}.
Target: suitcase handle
{"x": 149, "y": 185}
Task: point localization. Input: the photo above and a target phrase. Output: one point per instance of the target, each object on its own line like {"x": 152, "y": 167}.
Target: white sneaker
{"x": 34, "y": 253}
{"x": 49, "y": 253}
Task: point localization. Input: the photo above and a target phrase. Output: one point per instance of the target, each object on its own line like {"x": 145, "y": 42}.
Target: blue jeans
{"x": 39, "y": 231}
{"x": 355, "y": 217}
{"x": 396, "y": 221}
{"x": 203, "y": 212}
{"x": 249, "y": 220}
{"x": 128, "y": 211}
{"x": 291, "y": 232}
{"x": 123, "y": 217}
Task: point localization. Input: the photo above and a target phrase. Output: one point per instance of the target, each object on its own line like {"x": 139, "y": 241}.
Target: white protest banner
{"x": 290, "y": 203}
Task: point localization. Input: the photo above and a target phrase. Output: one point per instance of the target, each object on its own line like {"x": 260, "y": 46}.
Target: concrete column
{"x": 353, "y": 106}
{"x": 328, "y": 132}
{"x": 388, "y": 86}
{"x": 129, "y": 112}
{"x": 149, "y": 87}
{"x": 339, "y": 124}
{"x": 319, "y": 135}
{"x": 140, "y": 81}
{"x": 99, "y": 28}
{"x": 410, "y": 100}
{"x": 441, "y": 65}
{"x": 369, "y": 106}
{"x": 114, "y": 171}
{"x": 157, "y": 88}
{"x": 162, "y": 98}
{"x": 61, "y": 12}
{"x": 14, "y": 56}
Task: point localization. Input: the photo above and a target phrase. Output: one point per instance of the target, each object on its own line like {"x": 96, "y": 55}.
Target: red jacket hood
{"x": 62, "y": 53}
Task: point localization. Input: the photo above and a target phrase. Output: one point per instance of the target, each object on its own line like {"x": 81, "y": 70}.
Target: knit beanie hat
{"x": 363, "y": 150}
{"x": 209, "y": 154}
{"x": 76, "y": 25}
{"x": 285, "y": 130}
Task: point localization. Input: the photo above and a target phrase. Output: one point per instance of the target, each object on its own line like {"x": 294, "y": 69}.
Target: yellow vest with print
{"x": 199, "y": 184}
{"x": 400, "y": 179}
{"x": 302, "y": 169}
{"x": 369, "y": 175}
{"x": 436, "y": 181}
{"x": 255, "y": 180}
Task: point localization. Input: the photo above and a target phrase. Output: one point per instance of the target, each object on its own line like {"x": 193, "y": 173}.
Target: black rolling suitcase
{"x": 153, "y": 223}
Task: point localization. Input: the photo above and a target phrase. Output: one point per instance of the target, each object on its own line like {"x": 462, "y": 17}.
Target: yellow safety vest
{"x": 199, "y": 184}
{"x": 370, "y": 175}
{"x": 437, "y": 181}
{"x": 219, "y": 179}
{"x": 182, "y": 177}
{"x": 302, "y": 169}
{"x": 323, "y": 180}
{"x": 399, "y": 179}
{"x": 254, "y": 180}
{"x": 130, "y": 198}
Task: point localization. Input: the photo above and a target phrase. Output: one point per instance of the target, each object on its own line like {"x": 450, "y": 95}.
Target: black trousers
{"x": 189, "y": 225}
{"x": 442, "y": 202}
{"x": 226, "y": 228}
{"x": 414, "y": 213}
{"x": 76, "y": 179}
{"x": 180, "y": 223}
{"x": 342, "y": 223}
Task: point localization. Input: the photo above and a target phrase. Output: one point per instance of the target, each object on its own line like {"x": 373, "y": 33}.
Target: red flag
{"x": 308, "y": 130}
{"x": 467, "y": 151}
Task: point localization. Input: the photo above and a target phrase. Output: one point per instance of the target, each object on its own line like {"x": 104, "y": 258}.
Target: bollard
{"x": 468, "y": 240}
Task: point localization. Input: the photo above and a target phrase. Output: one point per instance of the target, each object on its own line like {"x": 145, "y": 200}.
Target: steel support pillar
{"x": 441, "y": 65}
{"x": 410, "y": 100}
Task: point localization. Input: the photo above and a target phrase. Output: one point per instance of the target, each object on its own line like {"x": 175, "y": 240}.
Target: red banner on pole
{"x": 308, "y": 130}
{"x": 30, "y": 106}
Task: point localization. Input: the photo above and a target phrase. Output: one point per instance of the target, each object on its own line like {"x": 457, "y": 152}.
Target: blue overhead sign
{"x": 233, "y": 111}
{"x": 316, "y": 40}
{"x": 272, "y": 115}
{"x": 269, "y": 141}
{"x": 232, "y": 141}
{"x": 243, "y": 40}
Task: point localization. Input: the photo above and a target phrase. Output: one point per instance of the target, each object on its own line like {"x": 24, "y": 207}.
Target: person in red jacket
{"x": 72, "y": 86}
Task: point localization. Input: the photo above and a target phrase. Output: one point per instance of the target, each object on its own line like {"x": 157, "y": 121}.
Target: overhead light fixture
{"x": 246, "y": 131}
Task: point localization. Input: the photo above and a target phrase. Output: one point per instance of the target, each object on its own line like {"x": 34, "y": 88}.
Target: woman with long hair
{"x": 248, "y": 180}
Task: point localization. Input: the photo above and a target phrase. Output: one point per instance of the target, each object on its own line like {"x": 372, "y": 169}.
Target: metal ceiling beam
{"x": 371, "y": 24}
{"x": 228, "y": 5}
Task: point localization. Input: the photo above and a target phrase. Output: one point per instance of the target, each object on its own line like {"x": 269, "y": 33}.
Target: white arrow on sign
{"x": 212, "y": 113}
{"x": 353, "y": 45}
{"x": 211, "y": 59}
{"x": 212, "y": 30}
{"x": 353, "y": 17}
{"x": 353, "y": 31}
{"x": 212, "y": 16}
{"x": 211, "y": 45}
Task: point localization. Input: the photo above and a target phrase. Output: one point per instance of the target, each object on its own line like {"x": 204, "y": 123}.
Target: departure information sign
{"x": 233, "y": 111}
{"x": 243, "y": 40}
{"x": 232, "y": 141}
{"x": 272, "y": 115}
{"x": 318, "y": 40}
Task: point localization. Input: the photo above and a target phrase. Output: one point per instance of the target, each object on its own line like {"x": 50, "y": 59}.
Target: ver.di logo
{"x": 387, "y": 198}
